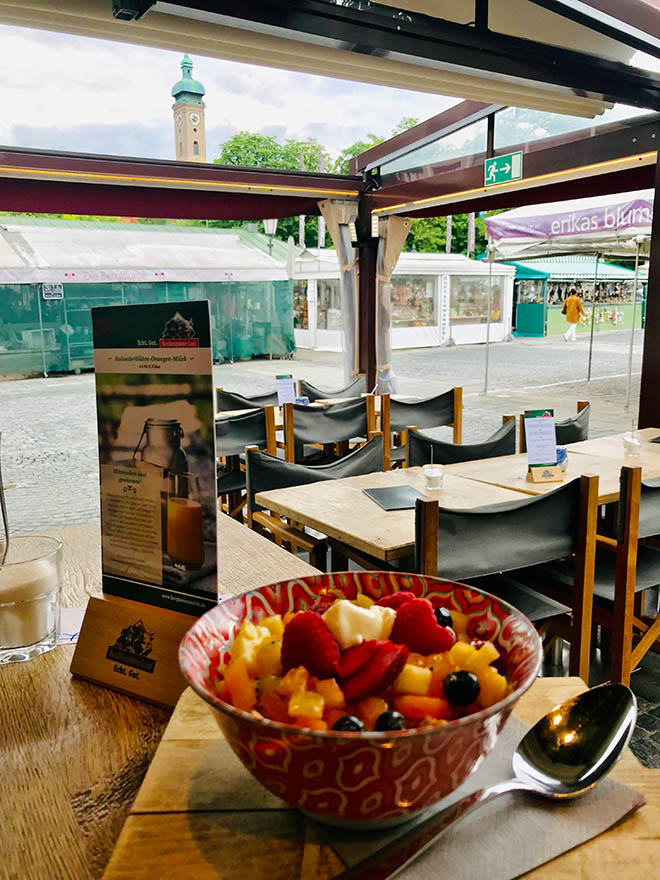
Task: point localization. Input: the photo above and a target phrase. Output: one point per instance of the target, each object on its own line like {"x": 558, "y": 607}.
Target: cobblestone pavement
{"x": 49, "y": 454}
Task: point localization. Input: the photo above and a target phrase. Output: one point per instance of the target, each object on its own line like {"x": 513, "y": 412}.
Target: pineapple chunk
{"x": 413, "y": 680}
{"x": 274, "y": 625}
{"x": 363, "y": 601}
{"x": 267, "y": 660}
{"x": 493, "y": 686}
{"x": 306, "y": 703}
{"x": 331, "y": 693}
{"x": 246, "y": 643}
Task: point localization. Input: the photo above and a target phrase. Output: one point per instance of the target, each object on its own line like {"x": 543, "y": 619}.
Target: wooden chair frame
{"x": 456, "y": 425}
{"x": 581, "y": 404}
{"x": 404, "y": 436}
{"x": 339, "y": 449}
{"x": 236, "y": 501}
{"x": 583, "y": 567}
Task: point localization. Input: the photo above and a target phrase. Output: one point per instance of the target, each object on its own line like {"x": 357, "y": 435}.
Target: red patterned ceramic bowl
{"x": 365, "y": 780}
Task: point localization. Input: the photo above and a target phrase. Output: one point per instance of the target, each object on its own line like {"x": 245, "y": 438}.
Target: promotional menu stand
{"x": 155, "y": 412}
{"x": 541, "y": 441}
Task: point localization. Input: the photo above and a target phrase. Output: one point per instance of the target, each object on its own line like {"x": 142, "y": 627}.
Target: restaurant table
{"x": 178, "y": 828}
{"x": 74, "y": 754}
{"x": 510, "y": 472}
{"x": 341, "y": 510}
{"x": 611, "y": 446}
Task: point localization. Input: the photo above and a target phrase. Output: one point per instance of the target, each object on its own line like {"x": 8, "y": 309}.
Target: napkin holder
{"x": 545, "y": 473}
{"x": 133, "y": 648}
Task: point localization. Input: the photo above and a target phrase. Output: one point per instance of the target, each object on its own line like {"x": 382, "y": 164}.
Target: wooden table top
{"x": 341, "y": 510}
{"x": 185, "y": 824}
{"x": 74, "y": 754}
{"x": 510, "y": 472}
{"x": 611, "y": 446}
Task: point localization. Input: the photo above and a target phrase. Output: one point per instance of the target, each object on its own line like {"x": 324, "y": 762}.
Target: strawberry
{"x": 382, "y": 663}
{"x": 416, "y": 627}
{"x": 308, "y": 642}
{"x": 396, "y": 600}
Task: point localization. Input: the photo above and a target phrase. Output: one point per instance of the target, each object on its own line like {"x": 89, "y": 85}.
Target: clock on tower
{"x": 188, "y": 111}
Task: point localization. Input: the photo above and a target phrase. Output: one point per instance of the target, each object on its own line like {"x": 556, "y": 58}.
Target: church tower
{"x": 188, "y": 110}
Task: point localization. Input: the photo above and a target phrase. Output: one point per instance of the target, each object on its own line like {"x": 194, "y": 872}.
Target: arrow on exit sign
{"x": 501, "y": 169}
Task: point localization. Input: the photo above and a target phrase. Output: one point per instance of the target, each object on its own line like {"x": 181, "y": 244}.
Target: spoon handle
{"x": 396, "y": 856}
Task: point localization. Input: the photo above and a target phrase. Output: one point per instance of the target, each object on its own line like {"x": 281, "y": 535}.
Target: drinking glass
{"x": 185, "y": 524}
{"x": 30, "y": 586}
{"x": 433, "y": 477}
{"x": 632, "y": 445}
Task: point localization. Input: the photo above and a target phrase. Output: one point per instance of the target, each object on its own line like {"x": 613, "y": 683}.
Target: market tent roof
{"x": 35, "y": 250}
{"x": 579, "y": 267}
{"x": 323, "y": 262}
{"x": 607, "y": 224}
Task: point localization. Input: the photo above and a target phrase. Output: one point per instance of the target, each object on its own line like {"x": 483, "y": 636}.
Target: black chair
{"x": 433, "y": 412}
{"x": 486, "y": 541}
{"x": 570, "y": 430}
{"x": 423, "y": 450}
{"x": 266, "y": 472}
{"x": 229, "y": 400}
{"x": 232, "y": 435}
{"x": 331, "y": 426}
{"x": 355, "y": 389}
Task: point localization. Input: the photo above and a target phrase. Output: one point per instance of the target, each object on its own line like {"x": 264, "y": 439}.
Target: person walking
{"x": 572, "y": 309}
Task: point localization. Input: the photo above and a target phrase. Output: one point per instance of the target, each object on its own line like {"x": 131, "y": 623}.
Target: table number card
{"x": 541, "y": 440}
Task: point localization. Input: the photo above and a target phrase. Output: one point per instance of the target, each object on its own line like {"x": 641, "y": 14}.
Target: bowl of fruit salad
{"x": 362, "y": 698}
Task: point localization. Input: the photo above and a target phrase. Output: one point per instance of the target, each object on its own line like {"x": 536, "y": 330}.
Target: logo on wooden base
{"x": 545, "y": 474}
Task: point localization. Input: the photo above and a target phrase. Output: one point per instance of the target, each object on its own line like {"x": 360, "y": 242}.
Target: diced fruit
{"x": 311, "y": 723}
{"x": 482, "y": 657}
{"x": 331, "y": 716}
{"x": 267, "y": 684}
{"x": 288, "y": 617}
{"x": 331, "y": 693}
{"x": 293, "y": 682}
{"x": 350, "y": 624}
{"x": 267, "y": 660}
{"x": 246, "y": 643}
{"x": 348, "y": 723}
{"x": 355, "y": 657}
{"x": 273, "y": 706}
{"x": 417, "y": 708}
{"x": 370, "y": 709}
{"x": 378, "y": 673}
{"x": 462, "y": 687}
{"x": 363, "y": 601}
{"x": 274, "y": 625}
{"x": 460, "y": 622}
{"x": 443, "y": 616}
{"x": 460, "y": 654}
{"x": 396, "y": 600}
{"x": 306, "y": 703}
{"x": 493, "y": 686}
{"x": 308, "y": 641}
{"x": 413, "y": 680}
{"x": 416, "y": 627}
{"x": 242, "y": 688}
{"x": 416, "y": 659}
{"x": 390, "y": 721}
{"x": 222, "y": 690}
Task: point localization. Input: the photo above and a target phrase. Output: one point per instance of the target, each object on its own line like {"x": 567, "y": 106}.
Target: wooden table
{"x": 341, "y": 510}
{"x": 510, "y": 472}
{"x": 73, "y": 754}
{"x": 183, "y": 824}
{"x": 611, "y": 447}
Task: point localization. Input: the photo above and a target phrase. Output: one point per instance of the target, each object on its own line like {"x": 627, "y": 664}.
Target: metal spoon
{"x": 562, "y": 756}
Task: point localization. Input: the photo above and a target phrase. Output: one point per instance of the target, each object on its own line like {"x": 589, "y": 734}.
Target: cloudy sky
{"x": 71, "y": 93}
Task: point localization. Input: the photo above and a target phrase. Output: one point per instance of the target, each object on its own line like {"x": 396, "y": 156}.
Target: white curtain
{"x": 392, "y": 233}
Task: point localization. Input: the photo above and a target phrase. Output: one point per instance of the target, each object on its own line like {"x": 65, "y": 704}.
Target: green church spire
{"x": 187, "y": 89}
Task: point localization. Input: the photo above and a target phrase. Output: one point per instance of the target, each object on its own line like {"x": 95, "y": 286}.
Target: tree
{"x": 252, "y": 150}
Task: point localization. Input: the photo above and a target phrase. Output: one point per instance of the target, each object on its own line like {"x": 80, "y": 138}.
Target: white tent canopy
{"x": 609, "y": 225}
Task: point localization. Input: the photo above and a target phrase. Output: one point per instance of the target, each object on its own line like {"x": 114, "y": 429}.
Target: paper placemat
{"x": 506, "y": 838}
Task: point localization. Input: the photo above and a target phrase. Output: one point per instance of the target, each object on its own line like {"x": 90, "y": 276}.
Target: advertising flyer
{"x": 154, "y": 400}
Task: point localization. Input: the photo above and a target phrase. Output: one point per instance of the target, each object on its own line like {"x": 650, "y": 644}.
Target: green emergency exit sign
{"x": 501, "y": 169}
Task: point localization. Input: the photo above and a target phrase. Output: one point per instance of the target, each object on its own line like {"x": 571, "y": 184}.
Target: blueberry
{"x": 443, "y": 617}
{"x": 462, "y": 687}
{"x": 348, "y": 722}
{"x": 390, "y": 721}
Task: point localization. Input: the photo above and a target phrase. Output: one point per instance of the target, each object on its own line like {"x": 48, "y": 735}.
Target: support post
{"x": 638, "y": 242}
{"x": 649, "y": 397}
{"x": 593, "y": 318}
{"x": 367, "y": 287}
{"x": 491, "y": 256}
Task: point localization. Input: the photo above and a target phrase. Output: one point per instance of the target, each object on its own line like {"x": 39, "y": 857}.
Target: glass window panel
{"x": 300, "y": 306}
{"x": 413, "y": 301}
{"x": 328, "y": 305}
{"x": 468, "y": 302}
{"x": 529, "y": 290}
{"x": 464, "y": 142}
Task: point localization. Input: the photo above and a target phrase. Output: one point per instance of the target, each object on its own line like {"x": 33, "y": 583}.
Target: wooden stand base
{"x": 545, "y": 474}
{"x": 133, "y": 648}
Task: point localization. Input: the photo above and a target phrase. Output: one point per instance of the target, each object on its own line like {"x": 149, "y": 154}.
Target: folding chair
{"x": 468, "y": 544}
{"x": 423, "y": 450}
{"x": 265, "y": 472}
{"x": 230, "y": 400}
{"x": 355, "y": 389}
{"x": 399, "y": 415}
{"x": 332, "y": 427}
{"x": 232, "y": 435}
{"x": 570, "y": 430}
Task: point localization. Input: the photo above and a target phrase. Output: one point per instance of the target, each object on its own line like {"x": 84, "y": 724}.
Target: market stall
{"x": 435, "y": 298}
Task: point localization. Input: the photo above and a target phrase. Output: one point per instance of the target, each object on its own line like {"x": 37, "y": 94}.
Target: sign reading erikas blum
{"x": 154, "y": 393}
